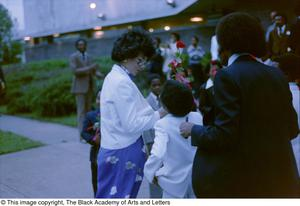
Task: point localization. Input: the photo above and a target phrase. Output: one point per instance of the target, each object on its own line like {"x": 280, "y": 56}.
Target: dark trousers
{"x": 94, "y": 168}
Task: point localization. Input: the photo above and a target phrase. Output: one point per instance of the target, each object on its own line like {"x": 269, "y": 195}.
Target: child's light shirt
{"x": 172, "y": 156}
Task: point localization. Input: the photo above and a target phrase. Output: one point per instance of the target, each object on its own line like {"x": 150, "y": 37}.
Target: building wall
{"x": 103, "y": 46}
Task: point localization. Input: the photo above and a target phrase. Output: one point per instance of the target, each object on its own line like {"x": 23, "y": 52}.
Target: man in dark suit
{"x": 247, "y": 151}
{"x": 279, "y": 38}
{"x": 295, "y": 36}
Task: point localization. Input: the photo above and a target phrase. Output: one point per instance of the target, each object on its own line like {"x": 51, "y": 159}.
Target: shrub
{"x": 55, "y": 99}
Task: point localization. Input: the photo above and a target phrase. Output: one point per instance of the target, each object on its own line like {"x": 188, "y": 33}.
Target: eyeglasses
{"x": 142, "y": 62}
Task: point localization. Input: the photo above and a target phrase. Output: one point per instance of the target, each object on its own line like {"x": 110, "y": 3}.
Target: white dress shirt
{"x": 172, "y": 156}
{"x": 214, "y": 48}
{"x": 125, "y": 113}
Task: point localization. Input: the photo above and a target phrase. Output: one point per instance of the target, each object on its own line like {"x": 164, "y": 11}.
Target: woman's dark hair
{"x": 80, "y": 40}
{"x": 177, "y": 36}
{"x": 241, "y": 33}
{"x": 177, "y": 98}
{"x": 131, "y": 44}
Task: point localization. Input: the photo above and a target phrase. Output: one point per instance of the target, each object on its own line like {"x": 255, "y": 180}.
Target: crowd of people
{"x": 227, "y": 136}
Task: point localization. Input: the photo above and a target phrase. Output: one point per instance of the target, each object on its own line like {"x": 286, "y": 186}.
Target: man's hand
{"x": 99, "y": 74}
{"x": 186, "y": 129}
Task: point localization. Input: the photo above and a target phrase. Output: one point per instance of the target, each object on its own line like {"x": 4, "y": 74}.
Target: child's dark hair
{"x": 177, "y": 98}
{"x": 151, "y": 77}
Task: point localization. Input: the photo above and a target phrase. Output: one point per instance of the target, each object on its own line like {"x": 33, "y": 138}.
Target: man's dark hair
{"x": 157, "y": 40}
{"x": 241, "y": 33}
{"x": 177, "y": 36}
{"x": 131, "y": 44}
{"x": 177, "y": 98}
{"x": 196, "y": 38}
{"x": 80, "y": 40}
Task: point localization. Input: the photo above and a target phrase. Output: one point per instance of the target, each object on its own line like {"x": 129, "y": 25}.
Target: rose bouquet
{"x": 178, "y": 72}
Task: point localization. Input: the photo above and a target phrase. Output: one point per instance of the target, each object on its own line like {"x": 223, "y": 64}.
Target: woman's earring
{"x": 125, "y": 61}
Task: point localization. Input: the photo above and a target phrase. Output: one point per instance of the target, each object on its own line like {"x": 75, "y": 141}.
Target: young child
{"x": 154, "y": 102}
{"x": 148, "y": 136}
{"x": 171, "y": 159}
{"x": 91, "y": 134}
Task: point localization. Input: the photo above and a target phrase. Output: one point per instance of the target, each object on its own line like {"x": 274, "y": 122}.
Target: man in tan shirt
{"x": 83, "y": 82}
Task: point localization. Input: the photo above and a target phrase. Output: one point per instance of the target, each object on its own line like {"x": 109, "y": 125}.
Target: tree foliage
{"x": 9, "y": 50}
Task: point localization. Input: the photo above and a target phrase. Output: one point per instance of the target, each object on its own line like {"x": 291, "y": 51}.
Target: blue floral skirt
{"x": 120, "y": 172}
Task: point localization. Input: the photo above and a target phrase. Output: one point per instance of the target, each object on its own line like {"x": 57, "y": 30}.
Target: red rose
{"x": 180, "y": 44}
{"x": 174, "y": 64}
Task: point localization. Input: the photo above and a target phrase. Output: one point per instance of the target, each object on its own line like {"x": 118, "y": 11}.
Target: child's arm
{"x": 159, "y": 148}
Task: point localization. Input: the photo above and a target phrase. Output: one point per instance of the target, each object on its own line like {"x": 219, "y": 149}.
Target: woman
{"x": 125, "y": 114}
{"x": 169, "y": 53}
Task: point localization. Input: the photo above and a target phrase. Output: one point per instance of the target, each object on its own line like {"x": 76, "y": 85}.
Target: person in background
{"x": 91, "y": 134}
{"x": 2, "y": 83}
{"x": 272, "y": 26}
{"x": 278, "y": 44}
{"x": 83, "y": 80}
{"x": 154, "y": 102}
{"x": 169, "y": 52}
{"x": 295, "y": 36}
{"x": 195, "y": 53}
{"x": 170, "y": 162}
{"x": 148, "y": 136}
{"x": 156, "y": 61}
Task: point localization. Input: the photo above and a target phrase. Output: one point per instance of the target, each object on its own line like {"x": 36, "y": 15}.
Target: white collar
{"x": 234, "y": 57}
{"x": 153, "y": 95}
{"x": 209, "y": 83}
{"x": 121, "y": 70}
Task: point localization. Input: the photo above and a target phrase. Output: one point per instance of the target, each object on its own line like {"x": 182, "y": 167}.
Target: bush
{"x": 55, "y": 99}
{"x": 43, "y": 88}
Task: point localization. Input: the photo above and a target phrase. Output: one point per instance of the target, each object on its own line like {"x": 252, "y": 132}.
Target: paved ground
{"x": 61, "y": 169}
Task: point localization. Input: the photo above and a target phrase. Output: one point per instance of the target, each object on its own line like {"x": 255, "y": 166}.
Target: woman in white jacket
{"x": 125, "y": 114}
{"x": 171, "y": 160}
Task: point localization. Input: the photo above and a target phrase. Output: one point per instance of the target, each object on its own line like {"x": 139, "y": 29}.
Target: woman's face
{"x": 136, "y": 65}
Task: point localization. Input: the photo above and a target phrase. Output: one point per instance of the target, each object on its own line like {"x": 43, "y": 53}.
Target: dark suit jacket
{"x": 206, "y": 104}
{"x": 278, "y": 45}
{"x": 88, "y": 132}
{"x": 295, "y": 38}
{"x": 247, "y": 152}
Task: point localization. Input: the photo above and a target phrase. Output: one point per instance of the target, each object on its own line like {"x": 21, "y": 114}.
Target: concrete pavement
{"x": 61, "y": 169}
